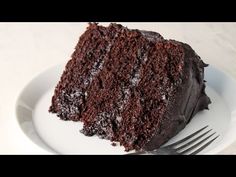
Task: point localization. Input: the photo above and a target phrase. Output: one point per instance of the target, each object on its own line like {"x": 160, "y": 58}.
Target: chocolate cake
{"x": 130, "y": 86}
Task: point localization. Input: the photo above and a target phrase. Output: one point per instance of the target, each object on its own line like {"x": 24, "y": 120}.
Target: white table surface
{"x": 26, "y": 49}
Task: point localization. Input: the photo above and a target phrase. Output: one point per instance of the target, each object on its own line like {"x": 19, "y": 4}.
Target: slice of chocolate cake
{"x": 131, "y": 86}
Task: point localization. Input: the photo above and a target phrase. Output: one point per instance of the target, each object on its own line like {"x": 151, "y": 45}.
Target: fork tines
{"x": 193, "y": 147}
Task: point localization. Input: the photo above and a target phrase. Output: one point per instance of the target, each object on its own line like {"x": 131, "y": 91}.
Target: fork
{"x": 175, "y": 149}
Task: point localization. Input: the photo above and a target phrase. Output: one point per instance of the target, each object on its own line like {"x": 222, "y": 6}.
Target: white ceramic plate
{"x": 57, "y": 136}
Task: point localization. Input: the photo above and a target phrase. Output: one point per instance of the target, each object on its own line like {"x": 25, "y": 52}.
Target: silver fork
{"x": 175, "y": 149}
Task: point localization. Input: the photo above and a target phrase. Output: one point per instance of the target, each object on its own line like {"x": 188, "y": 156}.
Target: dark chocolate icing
{"x": 189, "y": 99}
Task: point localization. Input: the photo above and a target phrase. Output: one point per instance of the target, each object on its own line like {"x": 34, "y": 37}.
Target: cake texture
{"x": 130, "y": 86}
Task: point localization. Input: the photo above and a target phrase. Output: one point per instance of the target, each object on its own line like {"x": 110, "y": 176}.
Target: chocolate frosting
{"x": 189, "y": 99}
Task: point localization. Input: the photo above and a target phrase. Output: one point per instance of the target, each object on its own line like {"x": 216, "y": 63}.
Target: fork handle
{"x": 160, "y": 151}
{"x": 139, "y": 153}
